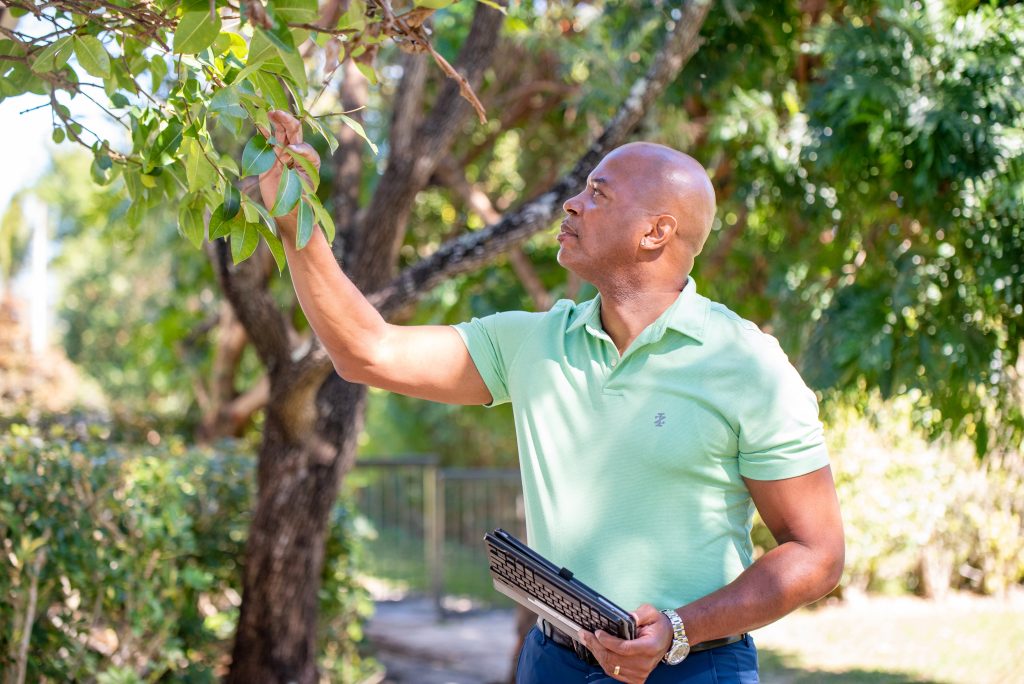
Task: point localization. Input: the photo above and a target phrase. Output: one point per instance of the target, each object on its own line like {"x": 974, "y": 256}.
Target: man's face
{"x": 604, "y": 222}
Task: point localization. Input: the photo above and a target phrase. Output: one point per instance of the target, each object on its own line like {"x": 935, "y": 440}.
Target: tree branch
{"x": 473, "y": 250}
{"x": 348, "y": 158}
{"x": 407, "y": 113}
{"x": 409, "y": 169}
{"x": 454, "y": 177}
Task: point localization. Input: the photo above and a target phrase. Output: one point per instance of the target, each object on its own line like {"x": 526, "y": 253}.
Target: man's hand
{"x": 636, "y": 658}
{"x": 288, "y": 132}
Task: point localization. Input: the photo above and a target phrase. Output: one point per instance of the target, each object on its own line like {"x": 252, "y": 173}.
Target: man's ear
{"x": 661, "y": 230}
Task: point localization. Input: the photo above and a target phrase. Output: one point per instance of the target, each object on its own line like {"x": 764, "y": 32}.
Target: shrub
{"x": 121, "y": 561}
{"x": 924, "y": 517}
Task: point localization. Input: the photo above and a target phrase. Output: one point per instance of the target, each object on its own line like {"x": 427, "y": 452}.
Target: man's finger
{"x": 287, "y": 128}
{"x": 306, "y": 150}
{"x": 633, "y": 647}
{"x": 647, "y": 614}
{"x": 590, "y": 641}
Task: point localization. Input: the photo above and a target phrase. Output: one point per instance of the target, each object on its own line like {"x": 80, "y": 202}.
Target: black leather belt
{"x": 562, "y": 639}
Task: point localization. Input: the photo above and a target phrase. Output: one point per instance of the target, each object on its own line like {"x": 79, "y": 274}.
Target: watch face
{"x": 678, "y": 654}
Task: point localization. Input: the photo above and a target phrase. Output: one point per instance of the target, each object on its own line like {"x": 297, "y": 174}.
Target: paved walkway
{"x": 416, "y": 647}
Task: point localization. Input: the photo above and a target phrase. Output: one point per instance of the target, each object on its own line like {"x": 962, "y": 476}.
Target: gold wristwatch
{"x": 680, "y": 647}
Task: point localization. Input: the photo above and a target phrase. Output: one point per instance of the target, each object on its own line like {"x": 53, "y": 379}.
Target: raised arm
{"x": 429, "y": 362}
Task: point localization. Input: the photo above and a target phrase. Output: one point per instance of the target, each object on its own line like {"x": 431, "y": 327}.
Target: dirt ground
{"x": 418, "y": 647}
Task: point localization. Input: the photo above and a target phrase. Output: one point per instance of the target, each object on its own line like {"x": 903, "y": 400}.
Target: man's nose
{"x": 572, "y": 205}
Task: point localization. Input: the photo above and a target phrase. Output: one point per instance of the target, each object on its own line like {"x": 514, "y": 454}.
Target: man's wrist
{"x": 679, "y": 647}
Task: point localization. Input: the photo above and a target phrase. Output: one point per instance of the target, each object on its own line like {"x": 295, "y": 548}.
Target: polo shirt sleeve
{"x": 494, "y": 342}
{"x": 780, "y": 435}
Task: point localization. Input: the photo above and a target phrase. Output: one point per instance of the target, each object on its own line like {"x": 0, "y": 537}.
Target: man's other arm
{"x": 803, "y": 514}
{"x": 428, "y": 362}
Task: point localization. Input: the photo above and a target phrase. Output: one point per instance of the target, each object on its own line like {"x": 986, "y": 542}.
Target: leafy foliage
{"x": 868, "y": 161}
{"x": 921, "y": 517}
{"x": 132, "y": 554}
{"x": 181, "y": 76}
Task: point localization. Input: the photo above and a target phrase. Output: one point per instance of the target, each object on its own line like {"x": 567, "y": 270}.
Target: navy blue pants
{"x": 542, "y": 661}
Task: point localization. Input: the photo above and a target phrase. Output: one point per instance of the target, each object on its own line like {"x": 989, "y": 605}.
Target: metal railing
{"x": 430, "y": 522}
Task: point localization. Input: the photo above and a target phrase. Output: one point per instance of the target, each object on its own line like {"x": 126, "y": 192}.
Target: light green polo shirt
{"x": 632, "y": 465}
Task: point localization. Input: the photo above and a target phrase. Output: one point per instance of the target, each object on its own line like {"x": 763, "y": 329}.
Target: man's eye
{"x": 597, "y": 193}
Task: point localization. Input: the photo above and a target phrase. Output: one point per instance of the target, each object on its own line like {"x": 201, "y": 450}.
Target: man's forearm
{"x": 349, "y": 327}
{"x": 784, "y": 579}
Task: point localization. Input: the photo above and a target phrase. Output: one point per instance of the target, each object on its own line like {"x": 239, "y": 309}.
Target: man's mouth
{"x": 566, "y": 232}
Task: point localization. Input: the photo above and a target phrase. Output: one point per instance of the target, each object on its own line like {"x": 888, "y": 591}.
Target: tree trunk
{"x": 298, "y": 481}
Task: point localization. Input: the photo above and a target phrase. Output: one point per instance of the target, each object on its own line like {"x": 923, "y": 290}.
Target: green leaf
{"x": 323, "y": 217}
{"x": 250, "y": 209}
{"x": 295, "y": 11}
{"x": 226, "y": 101}
{"x": 288, "y": 192}
{"x": 166, "y": 144}
{"x": 295, "y": 66}
{"x": 100, "y": 169}
{"x": 358, "y": 128}
{"x": 221, "y": 225}
{"x": 355, "y": 18}
{"x": 368, "y": 72}
{"x": 119, "y": 101}
{"x": 257, "y": 157}
{"x": 265, "y": 216}
{"x": 53, "y": 56}
{"x": 261, "y": 51}
{"x": 196, "y": 31}
{"x": 245, "y": 238}
{"x": 280, "y": 36}
{"x": 332, "y": 142}
{"x": 58, "y": 135}
{"x": 305, "y": 225}
{"x": 271, "y": 90}
{"x": 307, "y": 166}
{"x": 190, "y": 223}
{"x": 434, "y": 4}
{"x": 92, "y": 56}
{"x": 232, "y": 200}
{"x": 158, "y": 71}
{"x": 199, "y": 172}
{"x": 274, "y": 243}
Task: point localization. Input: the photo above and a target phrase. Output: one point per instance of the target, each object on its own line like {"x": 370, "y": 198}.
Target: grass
{"x": 963, "y": 639}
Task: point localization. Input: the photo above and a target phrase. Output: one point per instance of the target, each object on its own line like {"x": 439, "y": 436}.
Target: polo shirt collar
{"x": 688, "y": 314}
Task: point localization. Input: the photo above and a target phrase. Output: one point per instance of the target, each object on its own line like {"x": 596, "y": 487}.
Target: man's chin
{"x": 565, "y": 261}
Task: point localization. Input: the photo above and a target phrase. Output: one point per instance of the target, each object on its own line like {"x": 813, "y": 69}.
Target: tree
{"x": 223, "y": 76}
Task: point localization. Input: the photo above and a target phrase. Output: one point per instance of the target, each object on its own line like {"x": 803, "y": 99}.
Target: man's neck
{"x": 625, "y": 313}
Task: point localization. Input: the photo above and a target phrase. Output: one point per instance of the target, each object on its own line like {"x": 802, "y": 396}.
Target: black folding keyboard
{"x": 535, "y": 582}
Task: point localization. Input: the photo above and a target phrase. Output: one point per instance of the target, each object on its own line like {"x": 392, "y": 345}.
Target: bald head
{"x": 673, "y": 183}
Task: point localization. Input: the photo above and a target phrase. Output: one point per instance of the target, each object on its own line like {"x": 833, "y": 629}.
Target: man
{"x": 650, "y": 421}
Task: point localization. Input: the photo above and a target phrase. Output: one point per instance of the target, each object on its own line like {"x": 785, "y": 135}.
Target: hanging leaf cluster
{"x": 178, "y": 75}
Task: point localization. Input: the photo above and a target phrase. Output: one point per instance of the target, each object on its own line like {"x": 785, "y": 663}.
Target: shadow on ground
{"x": 779, "y": 667}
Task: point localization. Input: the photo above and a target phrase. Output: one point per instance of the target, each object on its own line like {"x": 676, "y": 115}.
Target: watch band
{"x": 680, "y": 647}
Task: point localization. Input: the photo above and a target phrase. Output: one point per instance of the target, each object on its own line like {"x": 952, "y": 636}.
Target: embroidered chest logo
{"x": 659, "y": 420}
